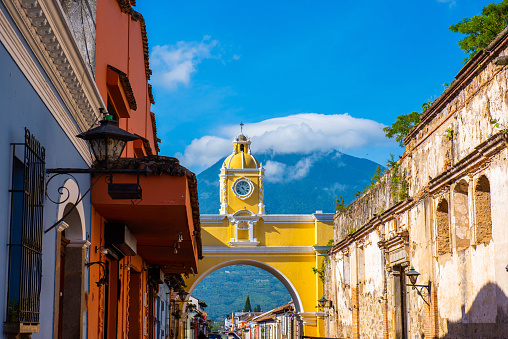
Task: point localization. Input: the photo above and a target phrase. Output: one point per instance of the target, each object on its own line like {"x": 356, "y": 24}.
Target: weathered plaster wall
{"x": 451, "y": 228}
{"x": 81, "y": 17}
{"x": 378, "y": 199}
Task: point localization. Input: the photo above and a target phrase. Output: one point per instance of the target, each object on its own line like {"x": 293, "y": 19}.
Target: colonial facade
{"x": 48, "y": 97}
{"x": 287, "y": 245}
{"x": 83, "y": 259}
{"x": 441, "y": 209}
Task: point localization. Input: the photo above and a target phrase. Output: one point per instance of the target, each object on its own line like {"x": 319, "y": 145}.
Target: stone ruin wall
{"x": 454, "y": 132}
{"x": 468, "y": 114}
{"x": 339, "y": 292}
{"x": 375, "y": 201}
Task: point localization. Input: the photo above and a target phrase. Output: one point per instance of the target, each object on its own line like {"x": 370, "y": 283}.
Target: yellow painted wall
{"x": 283, "y": 234}
{"x": 290, "y": 245}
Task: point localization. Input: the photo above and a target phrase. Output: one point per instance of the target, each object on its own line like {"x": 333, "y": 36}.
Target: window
{"x": 25, "y": 247}
{"x": 482, "y": 210}
{"x": 461, "y": 215}
{"x": 346, "y": 272}
{"x": 443, "y": 227}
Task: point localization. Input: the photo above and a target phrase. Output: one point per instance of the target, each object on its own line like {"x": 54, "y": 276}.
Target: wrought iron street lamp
{"x": 107, "y": 140}
{"x": 413, "y": 275}
{"x": 322, "y": 302}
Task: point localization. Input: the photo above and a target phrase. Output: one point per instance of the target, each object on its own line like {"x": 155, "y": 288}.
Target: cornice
{"x": 479, "y": 156}
{"x": 25, "y": 62}
{"x": 259, "y": 250}
{"x": 373, "y": 223}
{"x": 212, "y": 218}
{"x": 47, "y": 32}
{"x": 472, "y": 69}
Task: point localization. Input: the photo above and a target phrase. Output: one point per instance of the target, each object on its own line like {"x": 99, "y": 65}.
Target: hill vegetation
{"x": 227, "y": 289}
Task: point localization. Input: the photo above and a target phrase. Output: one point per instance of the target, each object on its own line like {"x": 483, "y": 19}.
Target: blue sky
{"x": 301, "y": 75}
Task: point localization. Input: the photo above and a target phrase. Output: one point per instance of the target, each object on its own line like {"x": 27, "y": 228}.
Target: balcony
{"x": 165, "y": 222}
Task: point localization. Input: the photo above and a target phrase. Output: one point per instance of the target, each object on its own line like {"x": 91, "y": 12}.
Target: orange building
{"x": 135, "y": 241}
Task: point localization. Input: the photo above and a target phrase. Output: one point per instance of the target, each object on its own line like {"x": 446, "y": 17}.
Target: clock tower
{"x": 241, "y": 180}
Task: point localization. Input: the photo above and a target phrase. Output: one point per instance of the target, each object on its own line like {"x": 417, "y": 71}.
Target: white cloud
{"x": 336, "y": 189}
{"x": 274, "y": 171}
{"x": 279, "y": 172}
{"x": 299, "y": 133}
{"x": 452, "y": 2}
{"x": 174, "y": 64}
{"x": 204, "y": 151}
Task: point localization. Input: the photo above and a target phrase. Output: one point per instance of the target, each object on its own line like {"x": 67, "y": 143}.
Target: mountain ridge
{"x": 291, "y": 179}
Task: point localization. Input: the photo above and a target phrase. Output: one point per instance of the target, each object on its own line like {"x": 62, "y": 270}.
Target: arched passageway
{"x": 270, "y": 269}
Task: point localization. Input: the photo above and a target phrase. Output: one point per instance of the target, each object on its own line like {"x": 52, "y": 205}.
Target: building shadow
{"x": 487, "y": 317}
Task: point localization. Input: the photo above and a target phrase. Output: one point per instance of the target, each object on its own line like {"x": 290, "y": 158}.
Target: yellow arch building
{"x": 286, "y": 245}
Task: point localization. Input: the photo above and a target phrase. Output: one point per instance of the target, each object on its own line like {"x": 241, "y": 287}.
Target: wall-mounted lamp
{"x": 324, "y": 303}
{"x": 103, "y": 250}
{"x": 412, "y": 274}
{"x": 105, "y": 277}
{"x": 107, "y": 143}
{"x": 126, "y": 267}
{"x": 107, "y": 140}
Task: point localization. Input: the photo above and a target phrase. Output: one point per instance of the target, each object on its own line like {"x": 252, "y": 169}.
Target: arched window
{"x": 482, "y": 210}
{"x": 242, "y": 148}
{"x": 443, "y": 227}
{"x": 461, "y": 214}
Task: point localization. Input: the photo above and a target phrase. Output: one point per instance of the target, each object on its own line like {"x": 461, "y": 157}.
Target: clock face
{"x": 242, "y": 188}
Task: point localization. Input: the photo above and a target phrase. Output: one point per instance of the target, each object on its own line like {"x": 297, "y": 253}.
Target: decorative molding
{"x": 79, "y": 243}
{"x": 310, "y": 318}
{"x": 46, "y": 30}
{"x": 260, "y": 250}
{"x": 227, "y": 171}
{"x": 27, "y": 65}
{"x": 474, "y": 162}
{"x": 291, "y": 218}
{"x": 62, "y": 226}
{"x": 321, "y": 249}
{"x": 243, "y": 243}
{"x": 211, "y": 218}
{"x": 323, "y": 216}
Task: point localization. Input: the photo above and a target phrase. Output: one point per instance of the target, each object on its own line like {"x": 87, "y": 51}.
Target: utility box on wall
{"x": 119, "y": 240}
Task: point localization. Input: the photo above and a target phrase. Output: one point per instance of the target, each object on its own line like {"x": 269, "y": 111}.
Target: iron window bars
{"x": 25, "y": 247}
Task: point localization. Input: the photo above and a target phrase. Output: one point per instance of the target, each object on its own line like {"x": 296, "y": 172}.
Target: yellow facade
{"x": 286, "y": 245}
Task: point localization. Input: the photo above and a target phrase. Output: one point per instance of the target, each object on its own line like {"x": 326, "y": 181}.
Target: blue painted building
{"x": 48, "y": 96}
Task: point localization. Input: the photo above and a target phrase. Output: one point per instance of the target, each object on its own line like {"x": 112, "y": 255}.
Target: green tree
{"x": 247, "y": 307}
{"x": 481, "y": 29}
{"x": 375, "y": 178}
{"x": 404, "y": 124}
{"x": 339, "y": 204}
{"x": 257, "y": 308}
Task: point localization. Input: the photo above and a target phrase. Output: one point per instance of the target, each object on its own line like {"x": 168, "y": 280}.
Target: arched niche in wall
{"x": 70, "y": 263}
{"x": 483, "y": 218}
{"x": 461, "y": 215}
{"x": 443, "y": 227}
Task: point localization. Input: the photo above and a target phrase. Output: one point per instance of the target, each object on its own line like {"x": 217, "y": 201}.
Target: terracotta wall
{"x": 120, "y": 44}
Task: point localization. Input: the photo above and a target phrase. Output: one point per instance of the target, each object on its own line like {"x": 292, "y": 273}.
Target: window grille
{"x": 25, "y": 250}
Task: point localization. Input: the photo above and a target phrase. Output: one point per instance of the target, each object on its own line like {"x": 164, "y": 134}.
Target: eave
{"x": 169, "y": 207}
